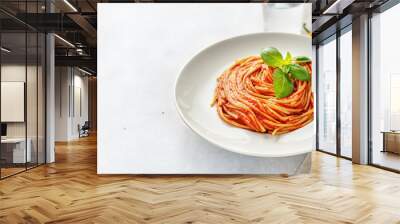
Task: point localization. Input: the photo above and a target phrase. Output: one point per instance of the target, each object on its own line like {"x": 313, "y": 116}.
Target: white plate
{"x": 194, "y": 89}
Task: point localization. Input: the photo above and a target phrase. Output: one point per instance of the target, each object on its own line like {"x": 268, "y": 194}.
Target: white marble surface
{"x": 141, "y": 48}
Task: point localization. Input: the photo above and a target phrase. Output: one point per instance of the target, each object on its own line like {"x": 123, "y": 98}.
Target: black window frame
{"x": 333, "y": 37}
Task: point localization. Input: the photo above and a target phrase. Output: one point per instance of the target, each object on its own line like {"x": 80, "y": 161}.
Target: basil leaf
{"x": 288, "y": 58}
{"x": 299, "y": 72}
{"x": 302, "y": 59}
{"x": 285, "y": 68}
{"x": 283, "y": 87}
{"x": 272, "y": 57}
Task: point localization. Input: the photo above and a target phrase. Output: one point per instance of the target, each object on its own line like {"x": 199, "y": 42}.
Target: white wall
{"x": 14, "y": 72}
{"x": 79, "y": 117}
{"x": 69, "y": 84}
{"x": 61, "y": 103}
{"x": 33, "y": 127}
{"x": 17, "y": 72}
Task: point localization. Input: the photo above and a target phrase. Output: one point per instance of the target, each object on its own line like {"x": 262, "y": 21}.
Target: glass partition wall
{"x": 13, "y": 89}
{"x": 327, "y": 96}
{"x": 334, "y": 58}
{"x": 345, "y": 92}
{"x": 385, "y": 89}
{"x": 22, "y": 100}
{"x": 334, "y": 104}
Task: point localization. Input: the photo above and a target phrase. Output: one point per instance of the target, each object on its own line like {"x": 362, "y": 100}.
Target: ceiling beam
{"x": 86, "y": 26}
{"x": 320, "y": 22}
{"x": 83, "y": 61}
{"x": 337, "y": 7}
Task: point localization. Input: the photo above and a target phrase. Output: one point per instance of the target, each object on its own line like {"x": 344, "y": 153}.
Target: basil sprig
{"x": 299, "y": 72}
{"x": 286, "y": 69}
{"x": 272, "y": 57}
{"x": 282, "y": 85}
{"x": 302, "y": 59}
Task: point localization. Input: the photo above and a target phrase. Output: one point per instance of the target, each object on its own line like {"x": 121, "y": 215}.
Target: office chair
{"x": 84, "y": 130}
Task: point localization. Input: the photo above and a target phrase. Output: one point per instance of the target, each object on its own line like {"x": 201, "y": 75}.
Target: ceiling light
{"x": 64, "y": 40}
{"x": 84, "y": 71}
{"x": 5, "y": 50}
{"x": 70, "y": 5}
{"x": 79, "y": 51}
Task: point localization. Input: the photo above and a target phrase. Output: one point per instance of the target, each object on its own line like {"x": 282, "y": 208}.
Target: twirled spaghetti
{"x": 245, "y": 98}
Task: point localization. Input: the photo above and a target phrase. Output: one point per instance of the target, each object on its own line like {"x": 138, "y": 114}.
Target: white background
{"x": 141, "y": 48}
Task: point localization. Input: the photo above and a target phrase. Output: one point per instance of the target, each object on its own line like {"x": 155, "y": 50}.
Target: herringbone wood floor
{"x": 69, "y": 191}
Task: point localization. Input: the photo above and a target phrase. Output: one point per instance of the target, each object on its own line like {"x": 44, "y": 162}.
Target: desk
{"x": 391, "y": 141}
{"x": 15, "y": 148}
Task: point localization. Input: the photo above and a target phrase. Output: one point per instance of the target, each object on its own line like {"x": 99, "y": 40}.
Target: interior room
{"x": 100, "y": 118}
{"x": 22, "y": 105}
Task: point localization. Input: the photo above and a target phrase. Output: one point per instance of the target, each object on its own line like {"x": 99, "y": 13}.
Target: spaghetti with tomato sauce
{"x": 244, "y": 97}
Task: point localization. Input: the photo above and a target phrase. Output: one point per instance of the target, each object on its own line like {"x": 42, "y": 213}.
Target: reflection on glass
{"x": 32, "y": 86}
{"x": 13, "y": 86}
{"x": 346, "y": 94}
{"x": 327, "y": 97}
{"x": 41, "y": 98}
{"x": 31, "y": 101}
{"x": 22, "y": 91}
{"x": 385, "y": 84}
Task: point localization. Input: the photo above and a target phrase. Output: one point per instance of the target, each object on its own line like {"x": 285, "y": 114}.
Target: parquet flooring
{"x": 10, "y": 171}
{"x": 70, "y": 191}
